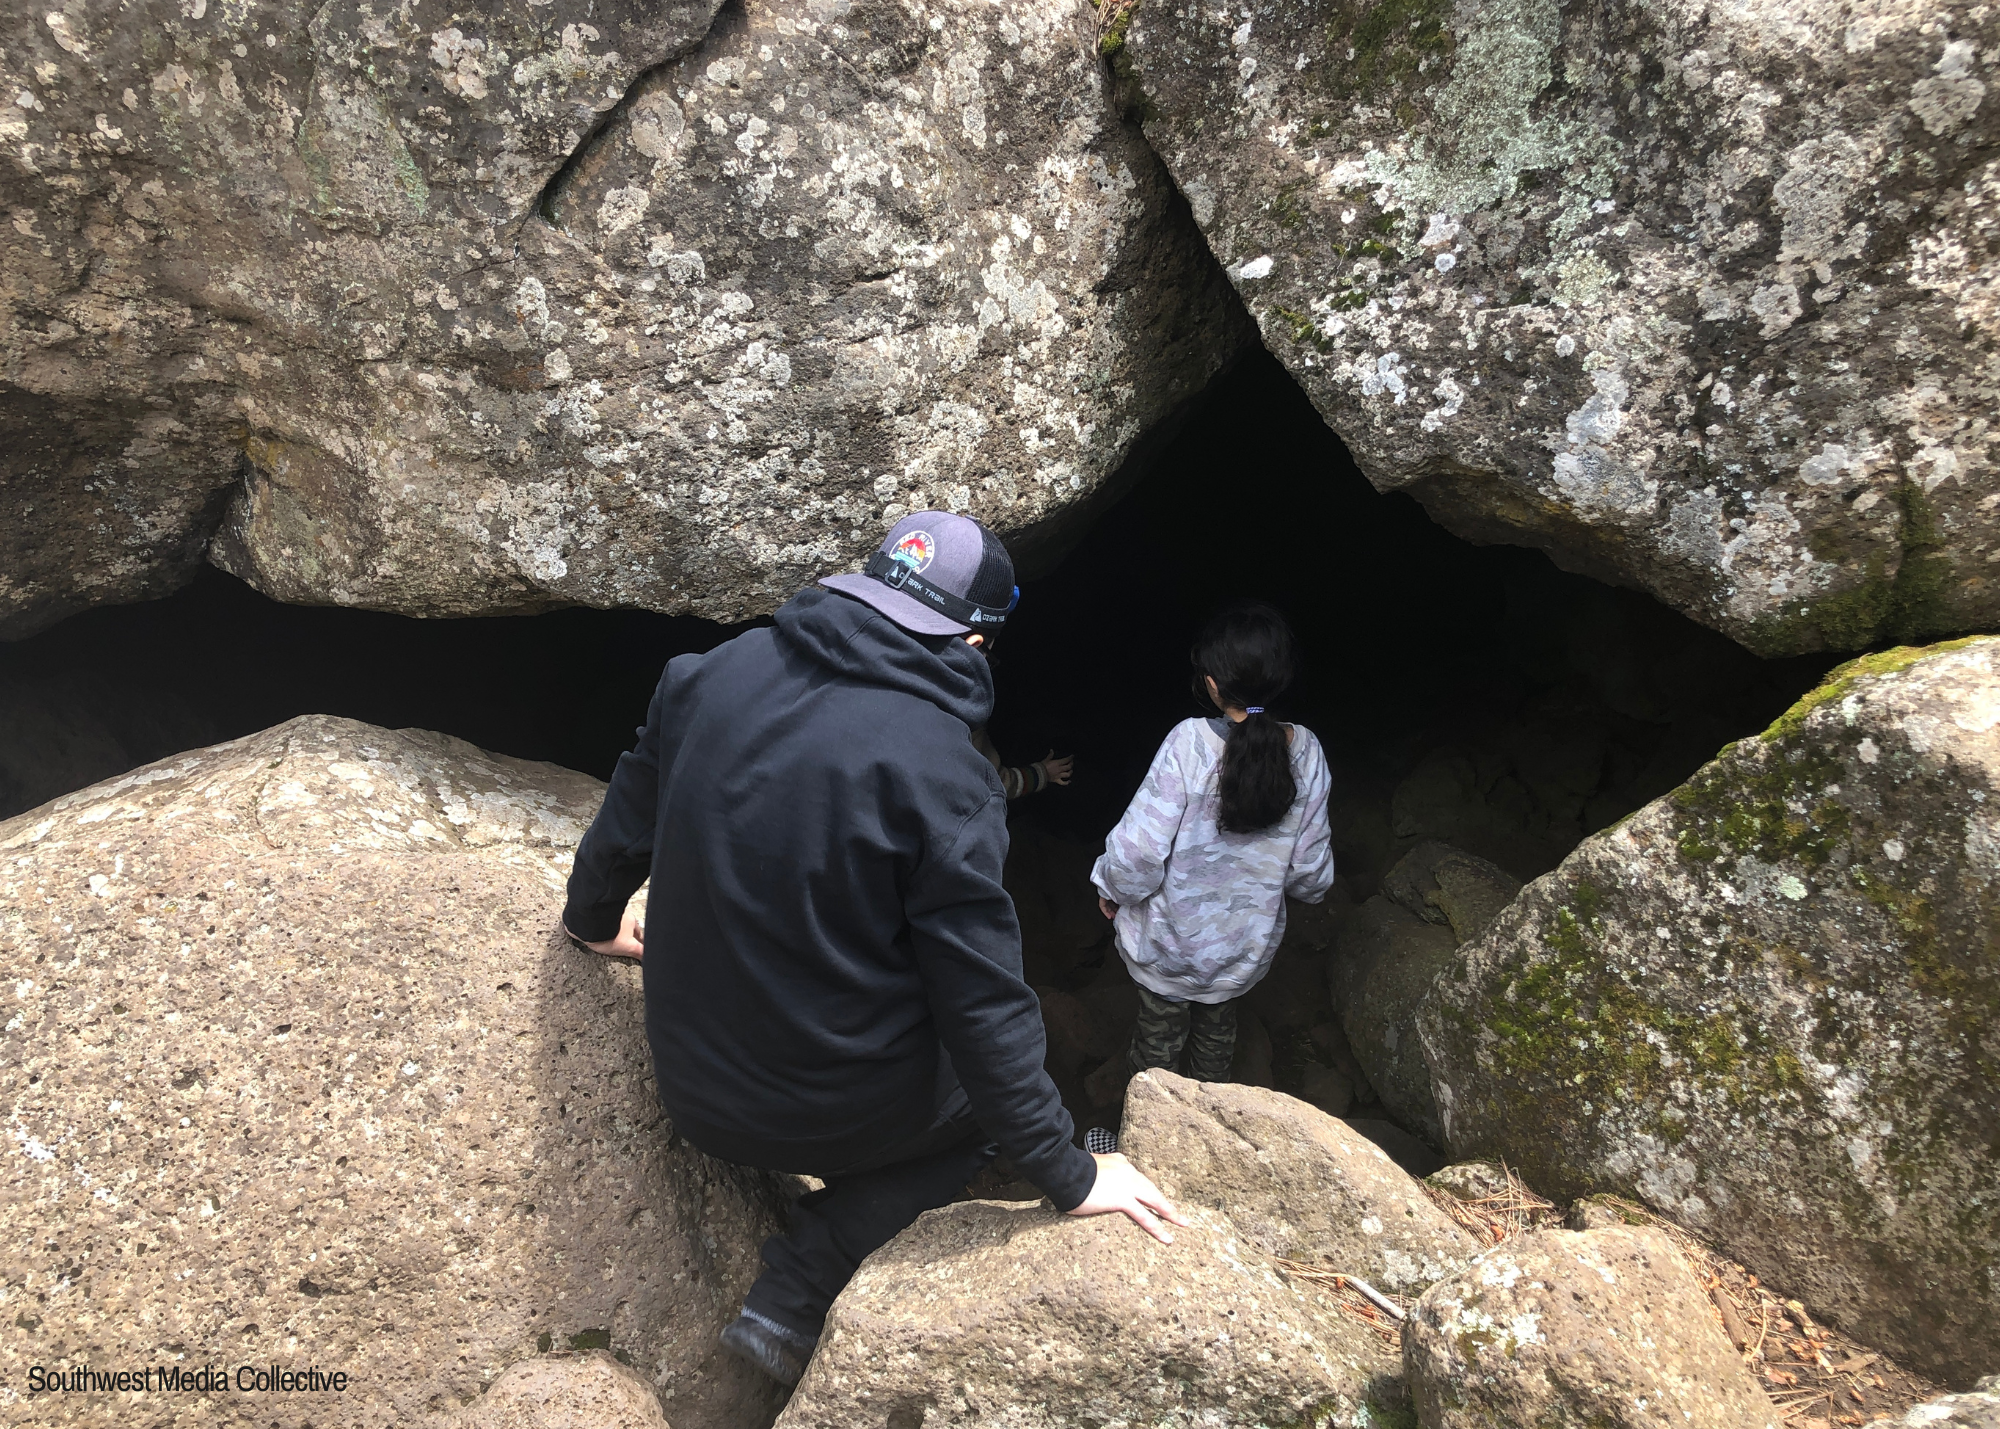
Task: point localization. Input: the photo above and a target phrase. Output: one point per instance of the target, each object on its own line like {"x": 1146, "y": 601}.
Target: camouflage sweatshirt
{"x": 1200, "y": 911}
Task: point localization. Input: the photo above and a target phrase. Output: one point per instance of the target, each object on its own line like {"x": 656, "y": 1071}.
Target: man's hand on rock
{"x": 630, "y": 942}
{"x": 1121, "y": 1186}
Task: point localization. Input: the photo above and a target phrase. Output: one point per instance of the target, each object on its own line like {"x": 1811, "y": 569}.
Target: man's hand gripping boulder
{"x": 1121, "y": 1186}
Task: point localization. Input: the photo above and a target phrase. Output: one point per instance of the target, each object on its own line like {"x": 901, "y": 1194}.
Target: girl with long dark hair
{"x": 1230, "y": 822}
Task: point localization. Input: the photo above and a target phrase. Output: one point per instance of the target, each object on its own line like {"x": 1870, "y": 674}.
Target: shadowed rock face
{"x": 610, "y": 304}
{"x": 1695, "y": 300}
{"x": 300, "y": 1076}
{"x": 1769, "y": 1005}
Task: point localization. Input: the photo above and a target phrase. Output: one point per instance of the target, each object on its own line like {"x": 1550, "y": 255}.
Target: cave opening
{"x": 1476, "y": 697}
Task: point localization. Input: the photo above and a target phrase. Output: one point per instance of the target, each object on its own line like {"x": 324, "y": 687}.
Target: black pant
{"x": 1166, "y": 1025}
{"x": 862, "y": 1207}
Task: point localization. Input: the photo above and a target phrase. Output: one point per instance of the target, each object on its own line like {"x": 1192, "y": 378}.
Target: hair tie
{"x": 1253, "y": 709}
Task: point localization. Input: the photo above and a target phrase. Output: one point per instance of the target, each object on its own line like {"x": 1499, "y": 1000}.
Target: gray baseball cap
{"x": 937, "y": 573}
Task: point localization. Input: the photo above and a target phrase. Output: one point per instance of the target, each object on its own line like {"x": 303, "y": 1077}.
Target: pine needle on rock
{"x": 1492, "y": 1219}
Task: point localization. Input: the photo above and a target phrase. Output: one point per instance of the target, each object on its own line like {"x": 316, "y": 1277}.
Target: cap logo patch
{"x": 916, "y": 550}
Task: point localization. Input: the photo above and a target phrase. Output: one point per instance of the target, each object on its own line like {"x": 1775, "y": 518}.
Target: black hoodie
{"x": 826, "y": 911}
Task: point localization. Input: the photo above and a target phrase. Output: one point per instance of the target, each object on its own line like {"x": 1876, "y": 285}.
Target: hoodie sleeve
{"x": 968, "y": 950}
{"x": 1311, "y": 873}
{"x": 1134, "y": 863}
{"x": 617, "y": 850}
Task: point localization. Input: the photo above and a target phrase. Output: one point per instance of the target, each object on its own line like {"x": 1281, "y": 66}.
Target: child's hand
{"x": 1057, "y": 770}
{"x": 1106, "y": 906}
{"x": 1123, "y": 1187}
{"x": 630, "y": 942}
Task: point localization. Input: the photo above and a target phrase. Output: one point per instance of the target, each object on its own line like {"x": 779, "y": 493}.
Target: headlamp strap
{"x": 898, "y": 575}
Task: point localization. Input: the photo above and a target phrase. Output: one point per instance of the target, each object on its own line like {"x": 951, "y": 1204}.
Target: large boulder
{"x": 985, "y": 1313}
{"x": 1388, "y": 959}
{"x": 1391, "y": 951}
{"x": 1577, "y": 1330}
{"x": 1769, "y": 1006}
{"x": 498, "y": 307}
{"x": 1293, "y": 1181}
{"x": 299, "y": 1075}
{"x": 1695, "y": 299}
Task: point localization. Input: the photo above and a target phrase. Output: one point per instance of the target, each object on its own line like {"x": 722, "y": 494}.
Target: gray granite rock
{"x": 1979, "y": 1409}
{"x": 1694, "y": 299}
{"x": 1601, "y": 1330}
{"x": 983, "y": 1314}
{"x": 1387, "y": 960}
{"x": 1768, "y": 1005}
{"x": 1391, "y": 950}
{"x": 589, "y": 301}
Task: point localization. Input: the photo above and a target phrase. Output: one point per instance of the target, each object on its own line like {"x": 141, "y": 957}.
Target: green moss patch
{"x": 1747, "y": 802}
{"x": 1573, "y": 1025}
{"x": 1912, "y": 605}
{"x": 1391, "y": 41}
{"x": 1836, "y": 686}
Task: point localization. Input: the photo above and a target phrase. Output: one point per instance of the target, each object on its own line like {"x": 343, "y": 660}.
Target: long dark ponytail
{"x": 1249, "y": 652}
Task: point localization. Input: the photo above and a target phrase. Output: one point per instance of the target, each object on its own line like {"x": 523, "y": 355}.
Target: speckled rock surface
{"x": 1598, "y": 1330}
{"x": 295, "y": 1073}
{"x": 587, "y": 1391}
{"x": 1769, "y": 1006}
{"x": 1977, "y": 1410}
{"x": 1294, "y": 1181}
{"x": 1694, "y": 298}
{"x": 489, "y": 308}
{"x": 989, "y": 1314}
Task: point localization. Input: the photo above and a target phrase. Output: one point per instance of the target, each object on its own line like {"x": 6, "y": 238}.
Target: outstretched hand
{"x": 1123, "y": 1187}
{"x": 630, "y": 942}
{"x": 1057, "y": 770}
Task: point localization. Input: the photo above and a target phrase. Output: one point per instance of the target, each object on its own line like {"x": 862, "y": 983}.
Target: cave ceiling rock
{"x": 615, "y": 304}
{"x": 1695, "y": 299}
{"x": 1768, "y": 1005}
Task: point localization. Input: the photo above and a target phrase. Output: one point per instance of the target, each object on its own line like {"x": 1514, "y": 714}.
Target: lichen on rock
{"x": 610, "y": 304}
{"x": 1768, "y": 1005}
{"x": 1602, "y": 1329}
{"x": 1693, "y": 300}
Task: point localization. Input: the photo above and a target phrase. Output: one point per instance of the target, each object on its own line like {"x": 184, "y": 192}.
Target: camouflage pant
{"x": 1206, "y": 1029}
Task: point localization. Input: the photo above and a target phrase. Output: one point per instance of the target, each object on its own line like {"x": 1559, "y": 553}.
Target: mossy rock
{"x": 1768, "y": 1006}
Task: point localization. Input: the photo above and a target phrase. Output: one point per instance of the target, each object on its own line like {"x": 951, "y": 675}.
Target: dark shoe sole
{"x": 763, "y": 1351}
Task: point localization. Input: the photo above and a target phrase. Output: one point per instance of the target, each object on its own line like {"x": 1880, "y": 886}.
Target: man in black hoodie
{"x": 835, "y": 986}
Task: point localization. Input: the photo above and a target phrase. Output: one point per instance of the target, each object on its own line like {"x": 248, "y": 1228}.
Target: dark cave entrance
{"x": 1475, "y": 696}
